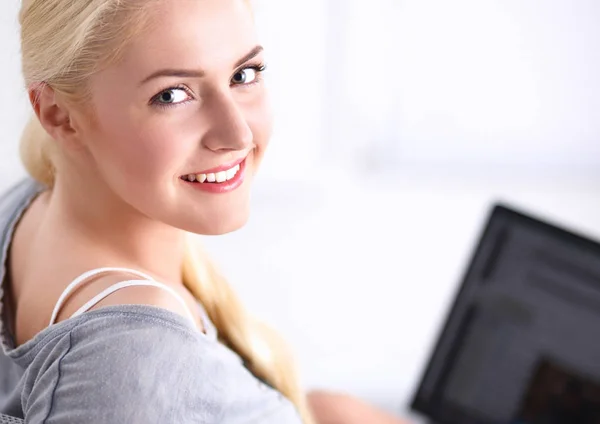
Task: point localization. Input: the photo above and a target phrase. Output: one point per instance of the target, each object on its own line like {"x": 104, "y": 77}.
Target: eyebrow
{"x": 193, "y": 73}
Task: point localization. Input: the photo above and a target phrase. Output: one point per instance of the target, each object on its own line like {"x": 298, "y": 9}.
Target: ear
{"x": 54, "y": 116}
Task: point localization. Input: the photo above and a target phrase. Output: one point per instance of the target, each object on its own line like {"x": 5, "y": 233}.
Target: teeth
{"x": 219, "y": 177}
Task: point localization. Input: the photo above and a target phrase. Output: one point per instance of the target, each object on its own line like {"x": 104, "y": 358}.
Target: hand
{"x": 337, "y": 408}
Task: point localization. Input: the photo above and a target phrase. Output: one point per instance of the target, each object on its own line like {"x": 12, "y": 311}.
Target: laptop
{"x": 521, "y": 342}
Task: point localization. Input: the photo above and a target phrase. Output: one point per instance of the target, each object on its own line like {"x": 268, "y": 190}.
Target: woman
{"x": 151, "y": 119}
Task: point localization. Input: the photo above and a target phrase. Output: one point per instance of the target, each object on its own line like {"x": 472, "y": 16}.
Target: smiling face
{"x": 181, "y": 122}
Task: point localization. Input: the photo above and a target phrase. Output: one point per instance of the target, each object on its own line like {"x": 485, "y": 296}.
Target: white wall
{"x": 357, "y": 268}
{"x": 468, "y": 83}
{"x": 293, "y": 33}
{"x": 14, "y": 108}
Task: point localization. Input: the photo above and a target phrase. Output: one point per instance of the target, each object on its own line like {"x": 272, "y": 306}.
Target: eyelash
{"x": 258, "y": 68}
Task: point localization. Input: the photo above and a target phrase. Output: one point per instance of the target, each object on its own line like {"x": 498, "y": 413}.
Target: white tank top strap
{"x": 148, "y": 281}
{"x": 118, "y": 286}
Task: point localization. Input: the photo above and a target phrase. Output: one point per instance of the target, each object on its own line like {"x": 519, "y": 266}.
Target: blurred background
{"x": 399, "y": 124}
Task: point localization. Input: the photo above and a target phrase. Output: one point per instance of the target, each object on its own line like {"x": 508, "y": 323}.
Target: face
{"x": 181, "y": 122}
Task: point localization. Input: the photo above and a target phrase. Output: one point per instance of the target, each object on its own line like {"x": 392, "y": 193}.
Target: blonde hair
{"x": 63, "y": 43}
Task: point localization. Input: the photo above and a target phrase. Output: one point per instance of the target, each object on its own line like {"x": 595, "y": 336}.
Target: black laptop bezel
{"x": 501, "y": 217}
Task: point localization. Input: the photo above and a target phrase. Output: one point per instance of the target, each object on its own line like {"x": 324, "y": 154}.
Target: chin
{"x": 209, "y": 214}
{"x": 216, "y": 225}
{"x": 220, "y": 228}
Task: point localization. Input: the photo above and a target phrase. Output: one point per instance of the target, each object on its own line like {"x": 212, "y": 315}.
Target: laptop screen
{"x": 521, "y": 343}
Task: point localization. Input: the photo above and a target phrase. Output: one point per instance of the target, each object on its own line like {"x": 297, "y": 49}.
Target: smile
{"x": 218, "y": 180}
{"x": 216, "y": 177}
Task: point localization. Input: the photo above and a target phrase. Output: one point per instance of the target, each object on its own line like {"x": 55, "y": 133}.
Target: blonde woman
{"x": 151, "y": 119}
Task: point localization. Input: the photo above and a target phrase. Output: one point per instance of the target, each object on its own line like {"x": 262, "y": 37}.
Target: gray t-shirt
{"x": 124, "y": 364}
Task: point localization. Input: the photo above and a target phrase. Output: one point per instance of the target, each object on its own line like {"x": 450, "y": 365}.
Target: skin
{"x": 119, "y": 199}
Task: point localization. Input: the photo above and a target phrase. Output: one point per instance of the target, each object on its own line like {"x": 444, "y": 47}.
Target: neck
{"x": 113, "y": 233}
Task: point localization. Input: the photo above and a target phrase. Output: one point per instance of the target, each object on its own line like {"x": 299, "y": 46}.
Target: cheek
{"x": 139, "y": 148}
{"x": 260, "y": 119}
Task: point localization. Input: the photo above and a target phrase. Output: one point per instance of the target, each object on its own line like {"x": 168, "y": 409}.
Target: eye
{"x": 247, "y": 75}
{"x": 171, "y": 96}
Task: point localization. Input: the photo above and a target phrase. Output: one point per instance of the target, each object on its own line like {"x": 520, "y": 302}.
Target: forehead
{"x": 200, "y": 34}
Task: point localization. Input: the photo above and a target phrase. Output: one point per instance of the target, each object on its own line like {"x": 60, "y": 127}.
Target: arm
{"x": 335, "y": 408}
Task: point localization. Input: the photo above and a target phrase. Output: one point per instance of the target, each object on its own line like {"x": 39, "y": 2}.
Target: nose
{"x": 228, "y": 129}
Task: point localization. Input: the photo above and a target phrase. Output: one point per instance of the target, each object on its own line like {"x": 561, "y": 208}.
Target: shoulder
{"x": 139, "y": 364}
{"x": 128, "y": 363}
{"x": 33, "y": 323}
{"x": 124, "y": 289}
